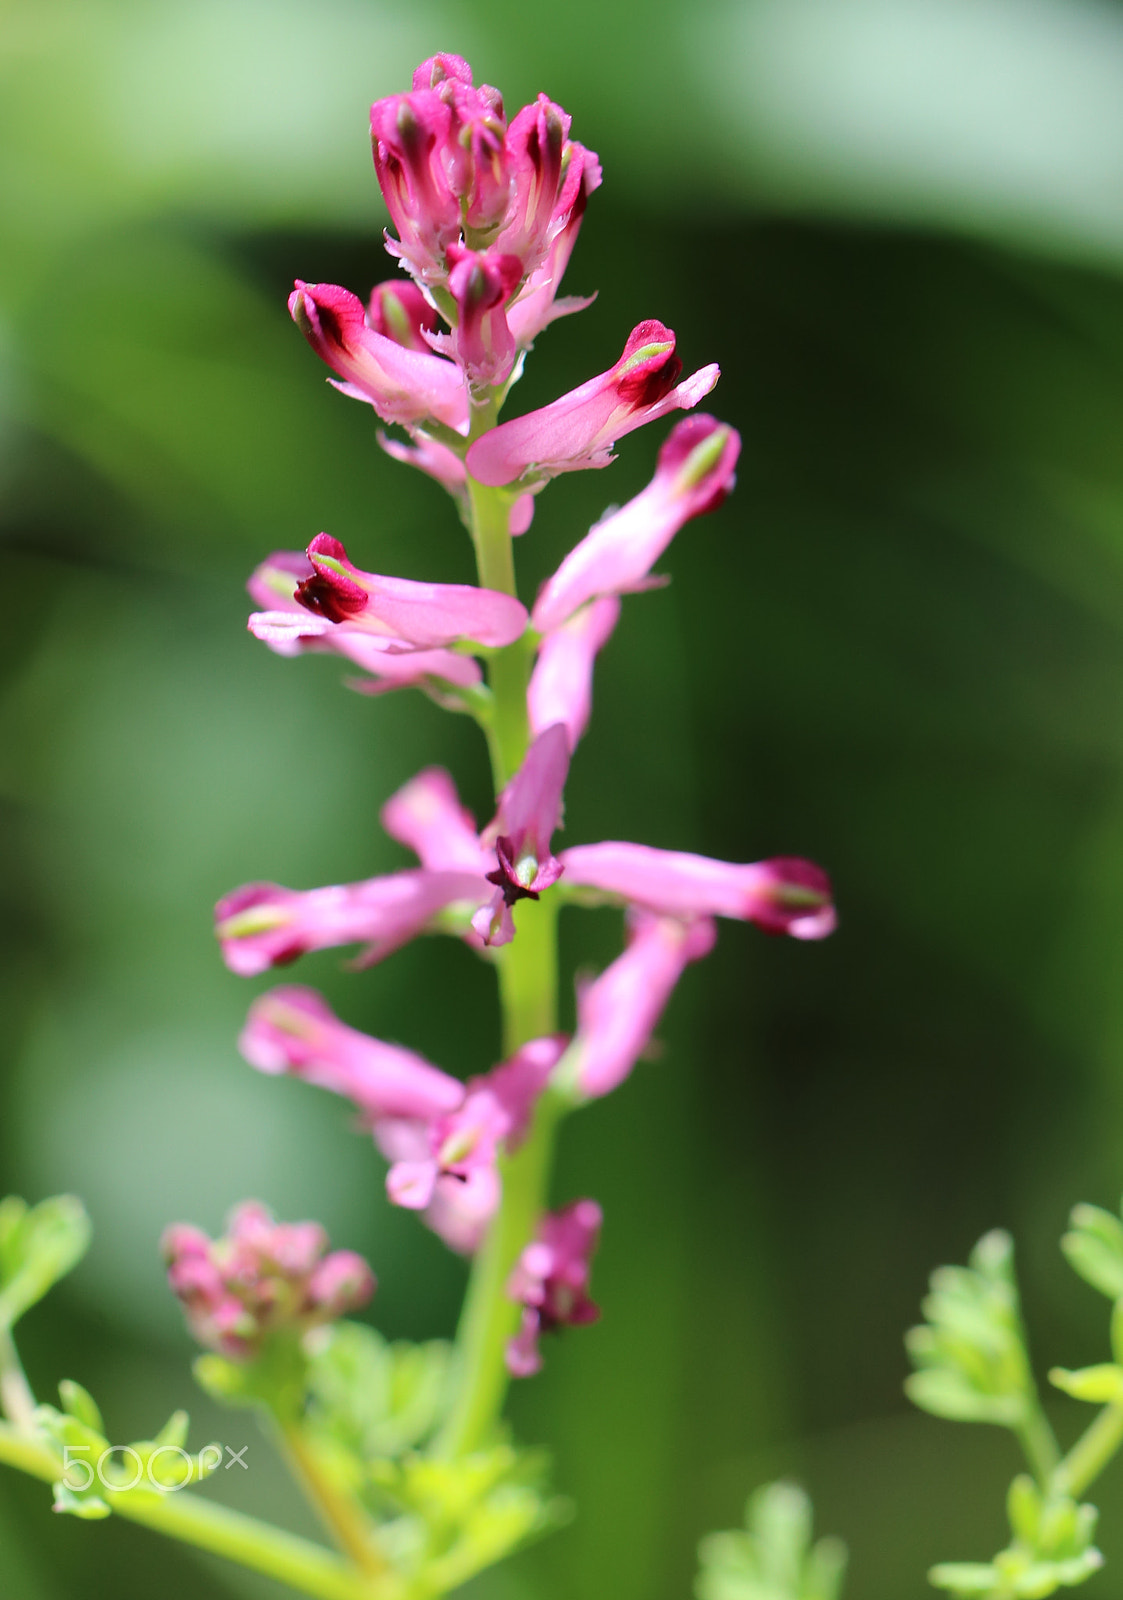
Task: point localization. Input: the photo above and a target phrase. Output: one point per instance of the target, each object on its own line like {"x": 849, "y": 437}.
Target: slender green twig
{"x": 1039, "y": 1443}
{"x": 340, "y": 1514}
{"x": 1091, "y": 1452}
{"x": 16, "y": 1399}
{"x": 207, "y": 1526}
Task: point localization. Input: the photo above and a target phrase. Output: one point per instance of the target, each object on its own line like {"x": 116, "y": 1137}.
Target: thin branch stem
{"x": 340, "y": 1514}
{"x": 1091, "y": 1452}
{"x": 16, "y": 1399}
{"x": 185, "y": 1516}
{"x": 1039, "y": 1443}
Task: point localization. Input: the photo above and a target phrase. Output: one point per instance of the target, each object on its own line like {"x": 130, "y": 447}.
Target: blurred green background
{"x": 898, "y": 225}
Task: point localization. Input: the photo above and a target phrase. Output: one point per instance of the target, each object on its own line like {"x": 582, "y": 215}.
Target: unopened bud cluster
{"x": 261, "y": 1277}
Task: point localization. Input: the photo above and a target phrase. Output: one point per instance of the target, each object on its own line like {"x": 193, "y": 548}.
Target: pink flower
{"x": 263, "y": 925}
{"x": 536, "y": 305}
{"x": 398, "y": 310}
{"x": 407, "y": 615}
{"x": 289, "y": 629}
{"x": 561, "y": 686}
{"x": 481, "y": 284}
{"x": 694, "y": 474}
{"x": 426, "y": 815}
{"x": 407, "y": 131}
{"x": 529, "y": 812}
{"x": 402, "y": 384}
{"x": 436, "y": 460}
{"x": 618, "y": 1012}
{"x": 451, "y": 1173}
{"x": 262, "y": 1278}
{"x": 551, "y": 1281}
{"x": 784, "y": 895}
{"x": 293, "y": 1030}
{"x": 579, "y": 430}
{"x": 553, "y": 178}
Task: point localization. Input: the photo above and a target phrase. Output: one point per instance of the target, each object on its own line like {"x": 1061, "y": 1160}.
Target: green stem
{"x": 527, "y": 970}
{"x": 207, "y": 1526}
{"x": 527, "y": 986}
{"x": 1039, "y": 1443}
{"x": 16, "y": 1399}
{"x": 343, "y": 1518}
{"x": 1091, "y": 1452}
{"x": 508, "y": 670}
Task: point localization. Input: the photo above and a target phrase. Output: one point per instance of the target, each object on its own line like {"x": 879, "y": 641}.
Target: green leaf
{"x": 90, "y": 1507}
{"x": 971, "y": 1357}
{"x": 38, "y": 1246}
{"x": 1094, "y": 1248}
{"x": 79, "y": 1403}
{"x": 773, "y": 1558}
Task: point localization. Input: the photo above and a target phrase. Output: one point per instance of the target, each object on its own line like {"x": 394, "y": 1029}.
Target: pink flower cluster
{"x": 260, "y": 1278}
{"x": 487, "y": 214}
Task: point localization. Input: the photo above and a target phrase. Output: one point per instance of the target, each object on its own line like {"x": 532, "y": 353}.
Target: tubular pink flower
{"x": 402, "y": 384}
{"x": 537, "y": 305}
{"x": 783, "y": 895}
{"x": 551, "y": 1281}
{"x": 529, "y": 813}
{"x": 399, "y": 311}
{"x": 426, "y": 815}
{"x": 451, "y": 1175}
{"x": 414, "y": 616}
{"x": 263, "y": 925}
{"x": 407, "y": 132}
{"x": 618, "y": 1012}
{"x": 293, "y": 1030}
{"x": 261, "y": 1278}
{"x": 693, "y": 476}
{"x": 580, "y": 429}
{"x": 436, "y": 460}
{"x": 561, "y": 686}
{"x": 289, "y": 630}
{"x": 481, "y": 283}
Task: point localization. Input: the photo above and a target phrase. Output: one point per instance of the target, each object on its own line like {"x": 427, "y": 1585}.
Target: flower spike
{"x": 580, "y": 429}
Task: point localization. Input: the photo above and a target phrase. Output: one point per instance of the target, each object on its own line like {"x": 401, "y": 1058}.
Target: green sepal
{"x": 38, "y": 1246}
{"x": 1099, "y": 1385}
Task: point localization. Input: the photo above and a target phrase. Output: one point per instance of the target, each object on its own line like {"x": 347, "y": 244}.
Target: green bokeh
{"x": 898, "y": 224}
